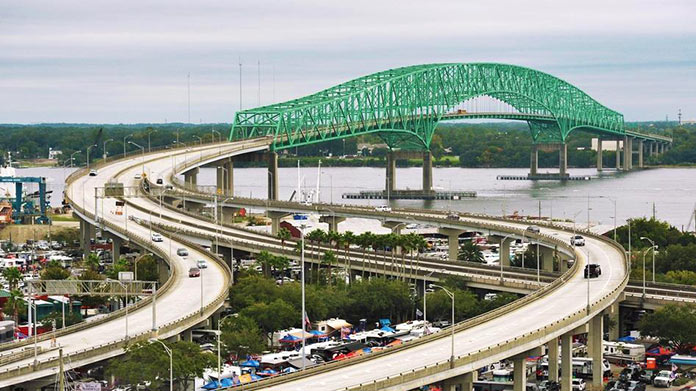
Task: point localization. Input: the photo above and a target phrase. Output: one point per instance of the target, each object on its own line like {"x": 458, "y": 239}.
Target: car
{"x": 453, "y": 216}
{"x": 194, "y": 272}
{"x": 169, "y": 187}
{"x": 549, "y": 385}
{"x": 634, "y": 385}
{"x": 92, "y": 172}
{"x": 182, "y": 252}
{"x": 156, "y": 237}
{"x": 160, "y": 181}
{"x": 647, "y": 376}
{"x": 663, "y": 379}
{"x": 138, "y": 176}
{"x": 533, "y": 229}
{"x": 383, "y": 208}
{"x": 578, "y": 385}
{"x": 202, "y": 264}
{"x": 593, "y": 270}
{"x": 306, "y": 203}
{"x": 577, "y": 240}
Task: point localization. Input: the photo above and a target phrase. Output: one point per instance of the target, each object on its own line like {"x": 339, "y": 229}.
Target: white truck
{"x": 663, "y": 379}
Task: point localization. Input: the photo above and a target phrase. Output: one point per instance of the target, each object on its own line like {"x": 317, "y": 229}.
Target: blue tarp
{"x": 290, "y": 338}
{"x": 316, "y": 332}
{"x": 384, "y": 322}
{"x": 267, "y": 372}
{"x": 249, "y": 363}
{"x": 387, "y": 328}
{"x": 214, "y": 384}
{"x": 627, "y": 338}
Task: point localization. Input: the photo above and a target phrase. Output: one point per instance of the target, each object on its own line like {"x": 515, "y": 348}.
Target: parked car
{"x": 578, "y": 384}
{"x": 160, "y": 181}
{"x": 593, "y": 270}
{"x": 383, "y": 208}
{"x": 138, "y": 176}
{"x": 647, "y": 376}
{"x": 202, "y": 264}
{"x": 663, "y": 379}
{"x": 194, "y": 272}
{"x": 577, "y": 240}
{"x": 533, "y": 229}
{"x": 182, "y": 252}
{"x": 156, "y": 237}
{"x": 634, "y": 385}
{"x": 92, "y": 172}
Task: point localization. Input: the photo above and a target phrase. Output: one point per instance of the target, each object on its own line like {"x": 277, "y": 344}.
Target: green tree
{"x": 380, "y": 298}
{"x": 91, "y": 261}
{"x": 71, "y": 318}
{"x": 15, "y": 304}
{"x": 264, "y": 259}
{"x": 440, "y": 305}
{"x": 242, "y": 336}
{"x": 329, "y": 259}
{"x": 147, "y": 268}
{"x": 276, "y": 315}
{"x": 253, "y": 289}
{"x": 281, "y": 263}
{"x": 13, "y": 276}
{"x": 149, "y": 362}
{"x": 67, "y": 235}
{"x": 54, "y": 271}
{"x": 673, "y": 324}
{"x": 685, "y": 277}
{"x": 470, "y": 252}
{"x": 283, "y": 235}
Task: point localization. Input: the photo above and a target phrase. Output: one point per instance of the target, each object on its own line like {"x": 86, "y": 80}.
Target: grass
{"x": 63, "y": 218}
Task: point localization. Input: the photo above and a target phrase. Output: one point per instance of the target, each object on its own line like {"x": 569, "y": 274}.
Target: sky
{"x": 127, "y": 61}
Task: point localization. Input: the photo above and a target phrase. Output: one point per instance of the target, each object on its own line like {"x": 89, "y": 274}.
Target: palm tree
{"x": 264, "y": 259}
{"x": 283, "y": 235}
{"x": 405, "y": 244}
{"x": 348, "y": 239}
{"x": 280, "y": 263}
{"x": 470, "y": 252}
{"x": 364, "y": 241}
{"x": 329, "y": 259}
{"x": 13, "y": 276}
{"x": 92, "y": 261}
{"x": 15, "y": 304}
{"x": 315, "y": 237}
{"x": 418, "y": 243}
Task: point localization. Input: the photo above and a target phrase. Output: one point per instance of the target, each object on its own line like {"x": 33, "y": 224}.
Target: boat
{"x": 682, "y": 359}
{"x": 7, "y": 190}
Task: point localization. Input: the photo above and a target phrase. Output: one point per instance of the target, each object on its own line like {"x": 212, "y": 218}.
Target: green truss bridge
{"x": 404, "y": 106}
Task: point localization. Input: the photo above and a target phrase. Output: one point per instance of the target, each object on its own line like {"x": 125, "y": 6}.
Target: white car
{"x": 138, "y": 176}
{"x": 579, "y": 385}
{"x": 663, "y": 379}
{"x": 156, "y": 237}
{"x": 202, "y": 264}
{"x": 383, "y": 208}
{"x": 577, "y": 240}
{"x": 92, "y": 172}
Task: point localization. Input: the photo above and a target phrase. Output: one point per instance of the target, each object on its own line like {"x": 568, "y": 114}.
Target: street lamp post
{"x": 125, "y": 143}
{"x": 587, "y": 268}
{"x": 213, "y": 131}
{"x": 72, "y": 157}
{"x": 200, "y": 140}
{"x": 302, "y": 282}
{"x": 148, "y": 138}
{"x": 219, "y": 360}
{"x": 88, "y": 148}
{"x": 654, "y": 247}
{"x": 425, "y": 302}
{"x": 142, "y": 149}
{"x": 106, "y": 142}
{"x": 171, "y": 362}
{"x": 451, "y": 296}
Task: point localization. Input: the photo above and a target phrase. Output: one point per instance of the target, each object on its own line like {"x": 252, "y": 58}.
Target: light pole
{"x": 538, "y": 271}
{"x": 148, "y": 138}
{"x": 302, "y": 282}
{"x": 125, "y": 143}
{"x": 451, "y": 296}
{"x": 72, "y": 157}
{"x": 200, "y": 140}
{"x": 88, "y": 148}
{"x": 425, "y": 302}
{"x": 219, "y": 334}
{"x": 106, "y": 142}
{"x": 213, "y": 131}
{"x": 587, "y": 275}
{"x": 171, "y": 362}
{"x": 644, "y": 251}
{"x": 654, "y": 247}
{"x": 142, "y": 149}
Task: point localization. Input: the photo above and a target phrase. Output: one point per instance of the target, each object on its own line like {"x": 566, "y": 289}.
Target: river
{"x": 672, "y": 191}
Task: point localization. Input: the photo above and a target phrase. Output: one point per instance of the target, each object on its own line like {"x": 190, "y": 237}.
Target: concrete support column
{"x": 626, "y": 154}
{"x": 452, "y": 241}
{"x": 504, "y": 251}
{"x": 273, "y": 176}
{"x": 599, "y": 154}
{"x": 463, "y": 382}
{"x": 191, "y": 177}
{"x": 187, "y": 335}
{"x": 661, "y": 148}
{"x": 229, "y": 177}
{"x": 534, "y": 160}
{"x": 563, "y": 159}
{"x": 116, "y": 242}
{"x": 613, "y": 313}
{"x": 630, "y": 153}
{"x": 391, "y": 173}
{"x": 85, "y": 235}
{"x": 332, "y": 221}
{"x": 618, "y": 155}
{"x": 553, "y": 359}
{"x": 519, "y": 375}
{"x": 275, "y": 220}
{"x": 427, "y": 171}
{"x": 219, "y": 179}
{"x": 546, "y": 255}
{"x": 595, "y": 349}
{"x": 641, "y": 146}
{"x": 651, "y": 148}
{"x": 566, "y": 361}
{"x": 162, "y": 271}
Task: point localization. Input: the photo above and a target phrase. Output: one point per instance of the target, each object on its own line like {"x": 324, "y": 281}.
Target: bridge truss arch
{"x": 404, "y": 106}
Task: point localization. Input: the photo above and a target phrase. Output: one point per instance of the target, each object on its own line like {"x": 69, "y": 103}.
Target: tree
{"x": 147, "y": 268}
{"x": 91, "y": 261}
{"x": 264, "y": 259}
{"x": 54, "y": 271}
{"x": 13, "y": 276}
{"x": 241, "y": 335}
{"x": 283, "y": 235}
{"x": 281, "y": 263}
{"x": 329, "y": 259}
{"x": 440, "y": 305}
{"x": 686, "y": 277}
{"x": 66, "y": 235}
{"x": 15, "y": 304}
{"x": 349, "y": 238}
{"x": 273, "y": 316}
{"x": 71, "y": 318}
{"x": 149, "y": 362}
{"x": 673, "y": 324}
{"x": 470, "y": 252}
{"x": 380, "y": 298}
{"x": 253, "y": 289}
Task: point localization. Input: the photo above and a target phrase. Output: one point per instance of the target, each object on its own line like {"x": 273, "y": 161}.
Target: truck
{"x": 623, "y": 353}
{"x": 663, "y": 379}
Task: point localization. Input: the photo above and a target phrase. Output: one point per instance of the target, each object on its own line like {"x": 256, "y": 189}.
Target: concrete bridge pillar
{"x": 595, "y": 349}
{"x": 116, "y": 243}
{"x": 427, "y": 171}
{"x": 87, "y": 232}
{"x": 275, "y": 221}
{"x": 546, "y": 258}
{"x": 661, "y": 148}
{"x": 534, "y": 160}
{"x": 225, "y": 178}
{"x": 630, "y": 153}
{"x": 641, "y": 146}
{"x": 452, "y": 241}
{"x": 651, "y": 148}
{"x": 563, "y": 159}
{"x": 553, "y": 359}
{"x": 566, "y": 361}
{"x": 191, "y": 177}
{"x": 618, "y": 155}
{"x": 519, "y": 374}
{"x": 599, "y": 153}
{"x": 504, "y": 251}
{"x": 273, "y": 176}
{"x": 187, "y": 335}
{"x": 463, "y": 382}
{"x": 332, "y": 221}
{"x": 391, "y": 173}
{"x": 626, "y": 154}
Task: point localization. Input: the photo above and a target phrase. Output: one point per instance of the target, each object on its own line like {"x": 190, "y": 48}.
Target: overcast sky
{"x": 126, "y": 61}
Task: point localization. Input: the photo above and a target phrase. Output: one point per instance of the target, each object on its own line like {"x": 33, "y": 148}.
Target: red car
{"x": 194, "y": 272}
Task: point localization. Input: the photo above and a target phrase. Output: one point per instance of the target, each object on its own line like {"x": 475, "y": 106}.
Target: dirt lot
{"x": 20, "y": 233}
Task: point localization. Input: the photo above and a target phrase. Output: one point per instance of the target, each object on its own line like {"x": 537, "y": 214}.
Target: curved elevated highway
{"x": 553, "y": 311}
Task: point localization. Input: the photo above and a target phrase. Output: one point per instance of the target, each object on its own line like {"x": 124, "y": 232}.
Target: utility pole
{"x": 61, "y": 374}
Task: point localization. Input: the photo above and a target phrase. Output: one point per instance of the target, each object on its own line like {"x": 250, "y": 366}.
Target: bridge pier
{"x": 273, "y": 176}
{"x": 553, "y": 359}
{"x": 566, "y": 362}
{"x": 225, "y": 177}
{"x": 534, "y": 160}
{"x": 627, "y": 153}
{"x": 463, "y": 382}
{"x": 332, "y": 221}
{"x": 390, "y": 184}
{"x": 503, "y": 249}
{"x": 452, "y": 241}
{"x": 641, "y": 146}
{"x": 519, "y": 368}
{"x": 427, "y": 171}
{"x": 618, "y": 155}
{"x": 613, "y": 314}
{"x": 595, "y": 349}
{"x": 563, "y": 159}
{"x": 275, "y": 220}
{"x": 599, "y": 154}
{"x": 546, "y": 255}
{"x": 87, "y": 232}
{"x": 191, "y": 177}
